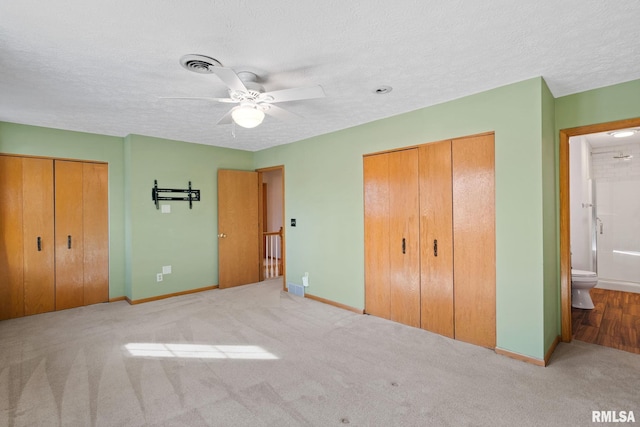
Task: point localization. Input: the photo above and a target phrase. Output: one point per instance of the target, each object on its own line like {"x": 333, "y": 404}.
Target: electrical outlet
{"x": 159, "y": 277}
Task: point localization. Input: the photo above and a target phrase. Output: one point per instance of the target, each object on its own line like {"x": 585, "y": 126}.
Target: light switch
{"x": 165, "y": 208}
{"x": 166, "y": 269}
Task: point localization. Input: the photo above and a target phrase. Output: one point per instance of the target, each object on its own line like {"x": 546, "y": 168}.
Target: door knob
{"x": 222, "y": 235}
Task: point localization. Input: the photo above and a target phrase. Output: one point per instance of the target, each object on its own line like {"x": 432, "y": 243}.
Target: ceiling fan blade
{"x": 293, "y": 94}
{"x": 281, "y": 113}
{"x": 226, "y": 119}
{"x": 229, "y": 100}
{"x": 230, "y": 78}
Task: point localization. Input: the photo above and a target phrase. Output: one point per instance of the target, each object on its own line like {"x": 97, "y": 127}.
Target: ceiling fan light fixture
{"x": 247, "y": 116}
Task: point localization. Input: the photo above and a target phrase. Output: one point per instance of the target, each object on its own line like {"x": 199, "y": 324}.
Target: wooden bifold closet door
{"x": 436, "y": 237}
{"x": 82, "y": 234}
{"x": 26, "y": 226}
{"x": 39, "y": 250}
{"x": 69, "y": 235}
{"x": 404, "y": 235}
{"x": 12, "y": 239}
{"x": 376, "y": 236}
{"x": 54, "y": 223}
{"x": 474, "y": 240}
{"x": 95, "y": 226}
{"x": 430, "y": 238}
{"x": 392, "y": 267}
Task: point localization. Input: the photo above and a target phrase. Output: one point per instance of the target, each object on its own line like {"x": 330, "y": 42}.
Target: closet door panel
{"x": 95, "y": 200}
{"x": 69, "y": 234}
{"x": 376, "y": 235}
{"x": 11, "y": 243}
{"x": 474, "y": 240}
{"x": 436, "y": 237}
{"x": 404, "y": 237}
{"x": 38, "y": 223}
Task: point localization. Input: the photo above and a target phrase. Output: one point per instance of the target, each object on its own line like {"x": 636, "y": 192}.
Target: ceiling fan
{"x": 253, "y": 102}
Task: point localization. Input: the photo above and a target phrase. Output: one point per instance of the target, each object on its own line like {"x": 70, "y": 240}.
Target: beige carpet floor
{"x": 256, "y": 356}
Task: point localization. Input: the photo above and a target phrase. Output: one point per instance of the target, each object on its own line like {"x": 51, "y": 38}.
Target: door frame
{"x": 565, "y": 214}
{"x": 261, "y": 225}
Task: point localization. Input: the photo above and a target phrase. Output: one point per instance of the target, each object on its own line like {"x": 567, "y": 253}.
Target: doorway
{"x": 271, "y": 220}
{"x": 565, "y": 214}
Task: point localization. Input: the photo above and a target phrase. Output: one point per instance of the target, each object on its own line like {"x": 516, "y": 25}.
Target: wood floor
{"x": 614, "y": 322}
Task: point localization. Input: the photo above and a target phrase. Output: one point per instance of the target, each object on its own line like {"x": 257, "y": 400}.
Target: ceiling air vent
{"x": 199, "y": 63}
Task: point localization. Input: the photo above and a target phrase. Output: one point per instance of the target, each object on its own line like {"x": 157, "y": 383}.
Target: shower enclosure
{"x": 616, "y": 217}
{"x": 617, "y": 233}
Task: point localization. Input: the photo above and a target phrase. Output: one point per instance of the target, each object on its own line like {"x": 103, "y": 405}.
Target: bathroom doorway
{"x": 599, "y": 179}
{"x": 605, "y": 207}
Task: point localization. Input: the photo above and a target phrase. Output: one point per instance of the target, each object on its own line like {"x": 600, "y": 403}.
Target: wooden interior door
{"x": 95, "y": 225}
{"x": 11, "y": 240}
{"x": 69, "y": 234}
{"x": 38, "y": 234}
{"x": 238, "y": 228}
{"x": 474, "y": 243}
{"x": 404, "y": 237}
{"x": 376, "y": 235}
{"x": 436, "y": 237}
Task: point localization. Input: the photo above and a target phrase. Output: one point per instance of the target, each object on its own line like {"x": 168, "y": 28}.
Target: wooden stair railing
{"x": 272, "y": 242}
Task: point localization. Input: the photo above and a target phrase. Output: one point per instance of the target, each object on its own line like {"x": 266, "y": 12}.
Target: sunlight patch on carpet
{"x": 198, "y": 351}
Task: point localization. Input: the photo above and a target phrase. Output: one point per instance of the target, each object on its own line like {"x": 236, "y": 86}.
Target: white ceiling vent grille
{"x": 199, "y": 63}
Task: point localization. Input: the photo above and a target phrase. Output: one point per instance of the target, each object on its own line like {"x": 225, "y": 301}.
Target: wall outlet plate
{"x": 159, "y": 277}
{"x": 165, "y": 208}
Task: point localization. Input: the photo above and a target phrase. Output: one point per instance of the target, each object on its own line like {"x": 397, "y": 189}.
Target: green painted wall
{"x": 323, "y": 191}
{"x": 185, "y": 238}
{"x": 602, "y": 105}
{"x": 38, "y": 141}
{"x": 551, "y": 313}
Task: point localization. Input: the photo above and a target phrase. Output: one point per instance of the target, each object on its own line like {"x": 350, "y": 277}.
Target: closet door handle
{"x": 435, "y": 247}
{"x": 69, "y": 241}
{"x": 404, "y": 245}
{"x": 39, "y": 242}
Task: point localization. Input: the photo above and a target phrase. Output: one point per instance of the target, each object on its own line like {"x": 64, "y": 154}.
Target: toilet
{"x": 581, "y": 283}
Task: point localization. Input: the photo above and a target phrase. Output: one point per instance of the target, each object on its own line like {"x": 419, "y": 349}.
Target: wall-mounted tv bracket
{"x": 188, "y": 194}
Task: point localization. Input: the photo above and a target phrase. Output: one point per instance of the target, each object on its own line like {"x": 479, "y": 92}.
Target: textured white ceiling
{"x": 100, "y": 66}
